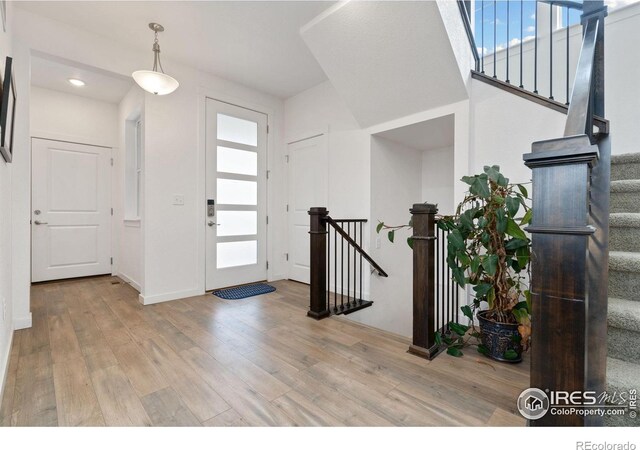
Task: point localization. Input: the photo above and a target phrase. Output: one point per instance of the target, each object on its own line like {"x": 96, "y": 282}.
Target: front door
{"x": 71, "y": 210}
{"x": 236, "y": 203}
{"x": 308, "y": 187}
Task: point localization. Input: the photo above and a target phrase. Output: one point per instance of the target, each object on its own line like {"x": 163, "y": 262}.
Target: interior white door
{"x": 308, "y": 187}
{"x": 236, "y": 204}
{"x": 71, "y": 215}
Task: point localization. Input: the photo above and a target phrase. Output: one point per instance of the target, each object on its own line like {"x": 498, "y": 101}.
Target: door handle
{"x": 37, "y": 222}
{"x": 212, "y": 223}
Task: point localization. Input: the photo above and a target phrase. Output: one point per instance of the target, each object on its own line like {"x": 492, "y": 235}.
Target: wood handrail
{"x": 564, "y": 3}
{"x": 355, "y": 245}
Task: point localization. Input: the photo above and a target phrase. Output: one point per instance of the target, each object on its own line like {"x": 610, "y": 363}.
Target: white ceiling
{"x": 388, "y": 59}
{"x": 428, "y": 135}
{"x": 50, "y": 73}
{"x": 255, "y": 43}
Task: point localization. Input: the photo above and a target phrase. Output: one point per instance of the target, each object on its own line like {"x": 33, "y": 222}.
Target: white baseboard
{"x": 129, "y": 281}
{"x": 22, "y": 322}
{"x": 159, "y": 298}
{"x": 5, "y": 368}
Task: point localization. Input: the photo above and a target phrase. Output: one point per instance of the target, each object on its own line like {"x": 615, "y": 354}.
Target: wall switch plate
{"x": 378, "y": 242}
{"x": 178, "y": 199}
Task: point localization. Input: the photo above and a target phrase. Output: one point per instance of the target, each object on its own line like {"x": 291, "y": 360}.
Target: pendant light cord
{"x": 156, "y": 54}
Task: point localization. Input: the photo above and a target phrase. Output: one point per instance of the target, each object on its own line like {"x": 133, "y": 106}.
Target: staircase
{"x": 623, "y": 364}
{"x": 337, "y": 265}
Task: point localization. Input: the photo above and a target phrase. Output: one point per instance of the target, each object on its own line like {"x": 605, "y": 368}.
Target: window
{"x": 133, "y": 169}
{"x": 138, "y": 151}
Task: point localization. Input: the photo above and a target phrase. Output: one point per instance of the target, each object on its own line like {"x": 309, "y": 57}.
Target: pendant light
{"x": 154, "y": 81}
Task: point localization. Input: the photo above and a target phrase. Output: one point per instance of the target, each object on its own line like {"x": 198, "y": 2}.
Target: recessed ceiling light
{"x": 76, "y": 82}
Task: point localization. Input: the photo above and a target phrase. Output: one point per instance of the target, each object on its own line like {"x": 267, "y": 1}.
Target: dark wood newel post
{"x": 424, "y": 241}
{"x": 318, "y": 308}
{"x": 569, "y": 266}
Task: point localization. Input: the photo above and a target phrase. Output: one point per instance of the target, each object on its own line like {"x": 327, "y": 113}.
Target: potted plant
{"x": 488, "y": 250}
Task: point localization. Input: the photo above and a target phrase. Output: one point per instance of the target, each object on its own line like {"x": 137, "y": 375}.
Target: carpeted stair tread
{"x": 625, "y": 167}
{"x": 625, "y": 158}
{"x": 624, "y": 314}
{"x": 624, "y": 261}
{"x": 625, "y": 186}
{"x": 623, "y": 332}
{"x": 622, "y": 375}
{"x": 624, "y": 233}
{"x": 624, "y": 220}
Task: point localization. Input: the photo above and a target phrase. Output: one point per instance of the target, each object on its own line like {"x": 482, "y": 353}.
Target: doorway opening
{"x": 74, "y": 129}
{"x": 410, "y": 164}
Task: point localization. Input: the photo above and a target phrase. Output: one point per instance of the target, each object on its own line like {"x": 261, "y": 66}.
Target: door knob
{"x": 37, "y": 222}
{"x": 212, "y": 223}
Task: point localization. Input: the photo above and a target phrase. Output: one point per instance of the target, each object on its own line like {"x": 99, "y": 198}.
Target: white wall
{"x": 173, "y": 241}
{"x": 622, "y": 72}
{"x": 397, "y": 170}
{"x": 63, "y": 116}
{"x": 6, "y": 191}
{"x": 503, "y": 127}
{"x": 315, "y": 111}
{"x": 438, "y": 179}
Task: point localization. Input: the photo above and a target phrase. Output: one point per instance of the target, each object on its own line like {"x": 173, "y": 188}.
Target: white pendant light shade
{"x": 157, "y": 83}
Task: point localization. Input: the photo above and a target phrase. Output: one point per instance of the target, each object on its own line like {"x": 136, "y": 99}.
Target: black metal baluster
{"x": 436, "y": 277}
{"x": 342, "y": 274}
{"x": 348, "y": 267}
{"x": 567, "y": 78}
{"x": 328, "y": 267}
{"x": 521, "y": 37}
{"x": 495, "y": 46}
{"x": 457, "y": 295}
{"x": 482, "y": 25}
{"x": 535, "y": 52}
{"x": 355, "y": 258}
{"x": 550, "y": 51}
{"x": 449, "y": 283}
{"x": 507, "y": 80}
{"x": 360, "y": 296}
{"x": 335, "y": 269}
{"x": 444, "y": 270}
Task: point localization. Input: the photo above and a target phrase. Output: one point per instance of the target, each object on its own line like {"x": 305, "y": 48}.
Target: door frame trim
{"x": 212, "y": 94}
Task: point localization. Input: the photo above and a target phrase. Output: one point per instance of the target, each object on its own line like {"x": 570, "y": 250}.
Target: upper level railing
{"x": 337, "y": 265}
{"x": 528, "y": 47}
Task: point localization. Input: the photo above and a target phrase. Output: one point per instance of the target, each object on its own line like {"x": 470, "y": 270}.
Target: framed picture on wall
{"x": 7, "y": 112}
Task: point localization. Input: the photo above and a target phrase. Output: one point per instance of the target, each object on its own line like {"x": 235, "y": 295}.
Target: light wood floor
{"x": 95, "y": 356}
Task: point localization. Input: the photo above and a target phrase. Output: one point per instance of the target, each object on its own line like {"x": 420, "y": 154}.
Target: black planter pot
{"x": 499, "y": 337}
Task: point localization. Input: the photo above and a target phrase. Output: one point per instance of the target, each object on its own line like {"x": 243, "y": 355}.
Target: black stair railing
{"x": 529, "y": 60}
{"x": 337, "y": 265}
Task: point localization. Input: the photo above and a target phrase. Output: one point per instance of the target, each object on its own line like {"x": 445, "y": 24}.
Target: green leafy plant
{"x": 488, "y": 249}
